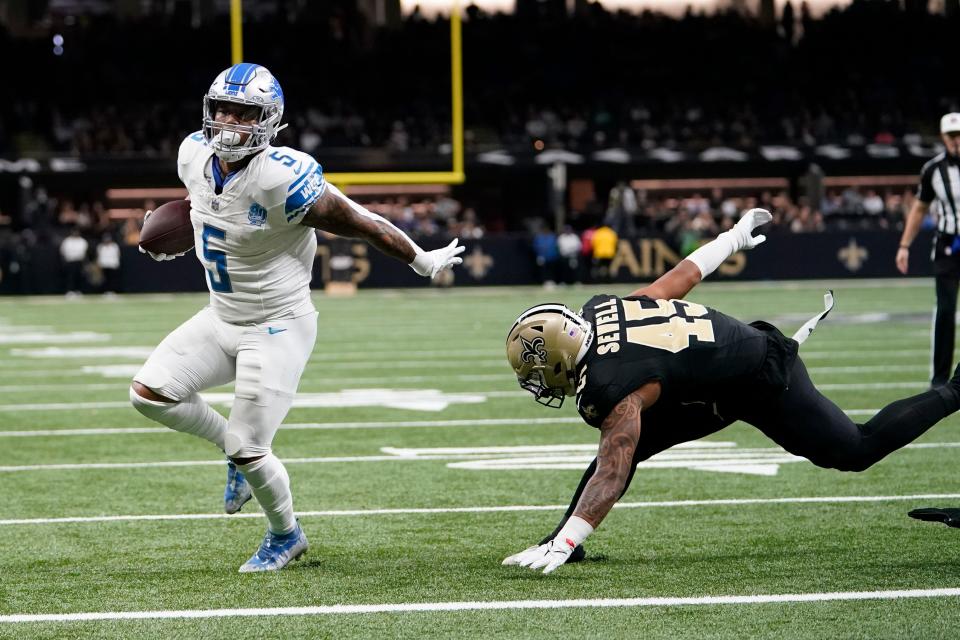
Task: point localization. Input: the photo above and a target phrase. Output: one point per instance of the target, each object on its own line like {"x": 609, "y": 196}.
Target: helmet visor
{"x": 244, "y": 112}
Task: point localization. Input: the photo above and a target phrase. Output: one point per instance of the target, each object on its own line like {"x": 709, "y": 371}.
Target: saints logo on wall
{"x": 533, "y": 351}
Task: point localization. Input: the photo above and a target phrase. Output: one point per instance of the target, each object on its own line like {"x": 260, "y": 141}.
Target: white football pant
{"x": 266, "y": 360}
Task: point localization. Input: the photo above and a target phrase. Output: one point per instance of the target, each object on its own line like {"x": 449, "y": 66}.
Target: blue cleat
{"x": 277, "y": 551}
{"x": 237, "y": 492}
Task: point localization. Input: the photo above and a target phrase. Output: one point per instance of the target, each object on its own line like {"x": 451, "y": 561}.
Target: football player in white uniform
{"x": 254, "y": 210}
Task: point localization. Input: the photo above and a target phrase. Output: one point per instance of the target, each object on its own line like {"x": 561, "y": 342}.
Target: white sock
{"x": 271, "y": 487}
{"x": 190, "y": 415}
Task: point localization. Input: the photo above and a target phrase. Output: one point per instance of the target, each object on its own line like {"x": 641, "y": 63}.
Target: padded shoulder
{"x": 282, "y": 166}
{"x": 192, "y": 146}
{"x": 292, "y": 177}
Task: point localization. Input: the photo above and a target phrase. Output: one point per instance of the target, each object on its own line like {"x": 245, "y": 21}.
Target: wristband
{"x": 575, "y": 531}
{"x": 714, "y": 253}
{"x": 905, "y": 246}
{"x": 422, "y": 264}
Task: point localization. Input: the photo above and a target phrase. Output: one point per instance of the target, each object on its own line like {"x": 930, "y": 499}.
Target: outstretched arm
{"x": 619, "y": 435}
{"x": 337, "y": 214}
{"x": 678, "y": 282}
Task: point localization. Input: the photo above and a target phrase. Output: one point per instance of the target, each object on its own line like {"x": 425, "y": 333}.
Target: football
{"x": 168, "y": 229}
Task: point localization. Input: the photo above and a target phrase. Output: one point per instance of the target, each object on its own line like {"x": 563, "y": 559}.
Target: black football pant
{"x": 806, "y": 423}
{"x": 801, "y": 420}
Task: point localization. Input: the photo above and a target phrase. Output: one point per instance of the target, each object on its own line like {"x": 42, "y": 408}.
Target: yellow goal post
{"x": 456, "y": 174}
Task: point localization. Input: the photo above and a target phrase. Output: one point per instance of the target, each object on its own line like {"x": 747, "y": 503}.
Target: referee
{"x": 940, "y": 190}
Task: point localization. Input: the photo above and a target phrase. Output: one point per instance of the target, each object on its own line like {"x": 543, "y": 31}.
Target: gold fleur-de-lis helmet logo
{"x": 533, "y": 351}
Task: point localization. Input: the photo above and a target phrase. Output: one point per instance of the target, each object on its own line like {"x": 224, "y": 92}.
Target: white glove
{"x": 159, "y": 257}
{"x": 743, "y": 230}
{"x": 548, "y": 556}
{"x": 430, "y": 263}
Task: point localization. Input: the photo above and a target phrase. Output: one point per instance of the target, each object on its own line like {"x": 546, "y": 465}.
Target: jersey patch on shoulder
{"x": 293, "y": 178}
{"x": 304, "y": 191}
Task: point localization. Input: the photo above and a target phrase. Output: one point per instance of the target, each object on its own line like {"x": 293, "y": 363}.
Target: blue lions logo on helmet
{"x": 277, "y": 93}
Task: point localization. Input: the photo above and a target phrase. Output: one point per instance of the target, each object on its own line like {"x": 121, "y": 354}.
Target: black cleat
{"x": 578, "y": 554}
{"x": 949, "y": 517}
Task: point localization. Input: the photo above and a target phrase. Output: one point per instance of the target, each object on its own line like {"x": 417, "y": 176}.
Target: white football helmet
{"x": 543, "y": 348}
{"x": 256, "y": 88}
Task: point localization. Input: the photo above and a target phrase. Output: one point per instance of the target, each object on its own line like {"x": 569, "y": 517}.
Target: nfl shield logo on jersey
{"x": 257, "y": 215}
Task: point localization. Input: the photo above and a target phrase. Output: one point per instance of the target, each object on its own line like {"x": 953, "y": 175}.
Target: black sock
{"x": 903, "y": 421}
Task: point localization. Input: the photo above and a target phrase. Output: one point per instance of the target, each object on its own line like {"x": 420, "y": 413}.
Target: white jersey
{"x": 258, "y": 257}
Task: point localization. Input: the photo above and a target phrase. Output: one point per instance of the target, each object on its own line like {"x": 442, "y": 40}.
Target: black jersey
{"x": 694, "y": 352}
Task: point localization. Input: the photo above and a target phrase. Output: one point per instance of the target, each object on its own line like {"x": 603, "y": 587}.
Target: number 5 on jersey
{"x": 219, "y": 280}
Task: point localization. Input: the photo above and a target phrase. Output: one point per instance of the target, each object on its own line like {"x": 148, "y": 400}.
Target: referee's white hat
{"x": 950, "y": 123}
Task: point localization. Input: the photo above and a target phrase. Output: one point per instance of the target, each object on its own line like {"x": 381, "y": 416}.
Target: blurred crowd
{"x": 583, "y": 250}
{"x": 604, "y": 79}
{"x": 427, "y": 217}
{"x": 633, "y": 211}
{"x": 86, "y": 235}
{"x": 789, "y": 77}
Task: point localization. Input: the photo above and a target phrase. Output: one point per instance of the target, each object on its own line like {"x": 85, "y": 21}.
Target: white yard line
{"x": 305, "y": 382}
{"x": 211, "y": 463}
{"x": 64, "y": 406}
{"x": 490, "y": 509}
{"x": 82, "y": 432}
{"x": 879, "y": 368}
{"x": 871, "y": 354}
{"x": 333, "y": 426}
{"x": 30, "y": 388}
{"x": 308, "y": 380}
{"x": 22, "y": 372}
{"x": 867, "y": 386}
{"x": 310, "y": 426}
{"x": 438, "y": 455}
{"x": 125, "y": 404}
{"x": 489, "y": 605}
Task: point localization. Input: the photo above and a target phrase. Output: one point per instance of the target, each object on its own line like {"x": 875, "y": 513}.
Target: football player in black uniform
{"x": 684, "y": 371}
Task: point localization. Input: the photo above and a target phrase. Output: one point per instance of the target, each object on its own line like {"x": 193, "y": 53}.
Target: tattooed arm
{"x": 333, "y": 213}
{"x": 619, "y": 435}
{"x": 337, "y": 214}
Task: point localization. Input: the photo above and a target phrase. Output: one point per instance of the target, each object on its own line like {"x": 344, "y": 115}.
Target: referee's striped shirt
{"x": 940, "y": 188}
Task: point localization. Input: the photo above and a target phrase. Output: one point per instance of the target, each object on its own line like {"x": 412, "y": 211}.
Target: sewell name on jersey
{"x": 608, "y": 327}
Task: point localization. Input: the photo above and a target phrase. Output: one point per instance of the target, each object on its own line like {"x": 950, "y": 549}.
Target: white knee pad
{"x": 240, "y": 441}
{"x": 191, "y": 415}
{"x": 152, "y": 409}
{"x": 252, "y": 426}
